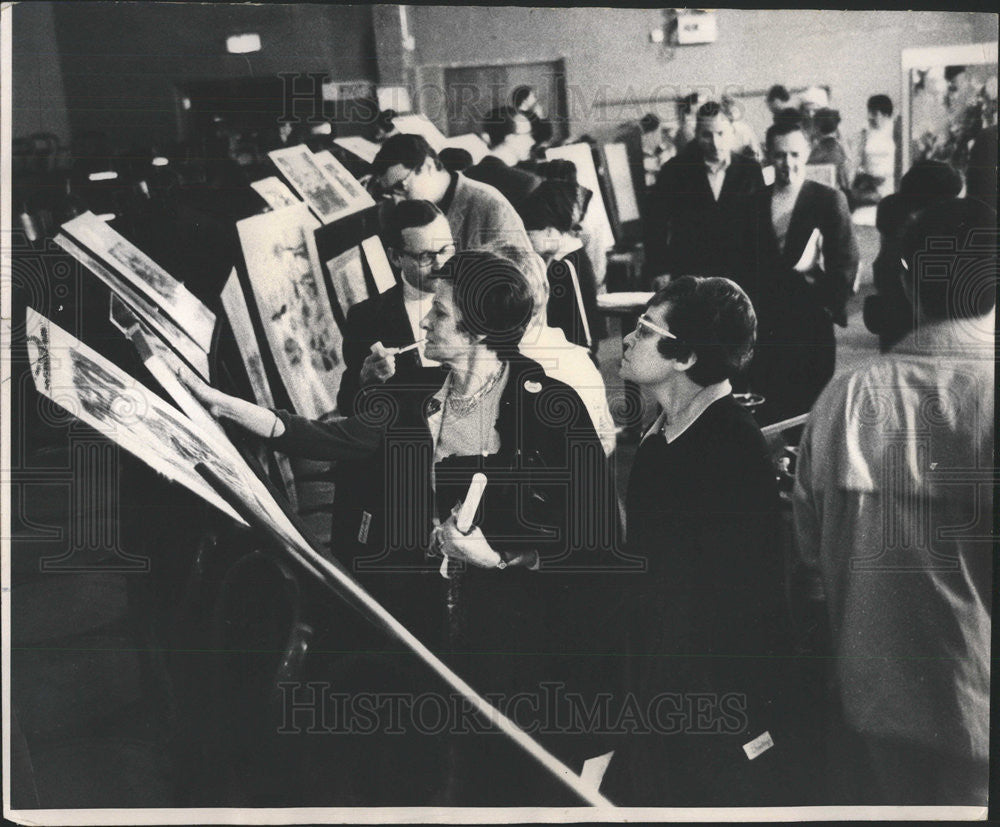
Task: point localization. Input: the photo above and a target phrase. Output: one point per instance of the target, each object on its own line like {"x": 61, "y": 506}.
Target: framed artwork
{"x": 283, "y": 268}
{"x": 949, "y": 94}
{"x": 348, "y": 278}
{"x": 325, "y": 197}
{"x": 275, "y": 192}
{"x": 366, "y": 150}
{"x": 144, "y": 275}
{"x": 378, "y": 261}
{"x": 178, "y": 339}
{"x": 234, "y": 304}
{"x": 347, "y": 182}
{"x": 622, "y": 187}
{"x": 107, "y": 399}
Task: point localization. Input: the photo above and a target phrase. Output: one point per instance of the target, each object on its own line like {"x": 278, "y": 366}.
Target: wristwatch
{"x": 502, "y": 563}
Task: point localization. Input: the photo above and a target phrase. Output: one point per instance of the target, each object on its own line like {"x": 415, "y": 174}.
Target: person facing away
{"x": 510, "y": 140}
{"x": 699, "y": 207}
{"x": 550, "y": 218}
{"x": 893, "y": 505}
{"x": 827, "y": 148}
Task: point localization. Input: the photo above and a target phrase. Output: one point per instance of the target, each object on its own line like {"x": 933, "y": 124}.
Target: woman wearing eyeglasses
{"x": 701, "y": 511}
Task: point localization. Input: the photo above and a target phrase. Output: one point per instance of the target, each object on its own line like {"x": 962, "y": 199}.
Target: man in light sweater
{"x": 408, "y": 169}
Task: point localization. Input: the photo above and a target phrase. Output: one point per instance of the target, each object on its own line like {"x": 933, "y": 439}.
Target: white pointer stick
{"x": 380, "y": 350}
{"x": 468, "y": 510}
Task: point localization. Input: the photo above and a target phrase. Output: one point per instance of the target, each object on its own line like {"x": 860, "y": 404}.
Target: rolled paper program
{"x": 468, "y": 510}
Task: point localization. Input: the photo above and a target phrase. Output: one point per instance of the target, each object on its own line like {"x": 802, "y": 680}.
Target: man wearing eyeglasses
{"x": 407, "y": 168}
{"x": 418, "y": 241}
{"x": 701, "y": 511}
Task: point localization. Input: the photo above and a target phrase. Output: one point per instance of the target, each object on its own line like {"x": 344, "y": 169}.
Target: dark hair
{"x": 952, "y": 72}
{"x": 880, "y": 103}
{"x": 541, "y": 129}
{"x": 493, "y": 299}
{"x": 409, "y": 150}
{"x": 501, "y": 122}
{"x": 827, "y": 120}
{"x": 455, "y": 159}
{"x": 784, "y": 126}
{"x": 520, "y": 95}
{"x": 686, "y": 104}
{"x": 712, "y": 109}
{"x": 404, "y": 216}
{"x": 778, "y": 93}
{"x": 384, "y": 119}
{"x": 712, "y": 319}
{"x": 558, "y": 169}
{"x": 950, "y": 263}
{"x": 649, "y": 122}
{"x": 550, "y": 204}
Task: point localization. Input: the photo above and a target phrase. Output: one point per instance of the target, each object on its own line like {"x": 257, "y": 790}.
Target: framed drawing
{"x": 284, "y": 272}
{"x": 144, "y": 275}
{"x": 275, "y": 192}
{"x": 107, "y": 399}
{"x": 347, "y": 182}
{"x": 348, "y": 278}
{"x": 178, "y": 339}
{"x": 234, "y": 304}
{"x": 949, "y": 95}
{"x": 325, "y": 197}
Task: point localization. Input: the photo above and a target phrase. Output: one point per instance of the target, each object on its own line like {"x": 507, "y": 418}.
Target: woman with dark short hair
{"x": 708, "y": 612}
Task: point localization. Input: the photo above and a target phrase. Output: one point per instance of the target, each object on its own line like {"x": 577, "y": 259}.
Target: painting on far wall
{"x": 951, "y": 95}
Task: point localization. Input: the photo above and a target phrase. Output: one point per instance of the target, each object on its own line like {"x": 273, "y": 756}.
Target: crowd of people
{"x": 681, "y": 618}
{"x": 682, "y": 603}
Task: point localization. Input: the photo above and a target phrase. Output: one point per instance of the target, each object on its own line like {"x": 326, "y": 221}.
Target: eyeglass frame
{"x": 434, "y": 254}
{"x": 645, "y": 321}
{"x": 396, "y": 189}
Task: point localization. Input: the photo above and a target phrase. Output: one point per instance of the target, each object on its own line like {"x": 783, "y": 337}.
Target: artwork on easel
{"x": 361, "y": 147}
{"x": 179, "y": 340}
{"x": 348, "y": 278}
{"x": 144, "y": 275}
{"x": 378, "y": 262}
{"x": 107, "y": 399}
{"x": 347, "y": 182}
{"x": 234, "y": 304}
{"x": 471, "y": 143}
{"x": 325, "y": 197}
{"x": 282, "y": 263}
{"x": 275, "y": 192}
{"x": 950, "y": 96}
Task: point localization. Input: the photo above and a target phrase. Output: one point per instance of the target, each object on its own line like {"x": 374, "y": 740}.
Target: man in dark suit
{"x": 418, "y": 241}
{"x": 700, "y": 202}
{"x": 509, "y": 133}
{"x": 801, "y": 273}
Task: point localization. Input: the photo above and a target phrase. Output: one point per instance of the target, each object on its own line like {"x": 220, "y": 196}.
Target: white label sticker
{"x": 759, "y": 745}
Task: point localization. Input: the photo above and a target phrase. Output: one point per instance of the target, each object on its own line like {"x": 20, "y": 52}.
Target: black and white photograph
{"x": 496, "y": 413}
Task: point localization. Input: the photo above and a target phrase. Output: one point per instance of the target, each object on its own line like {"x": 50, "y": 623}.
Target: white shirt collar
{"x": 687, "y": 417}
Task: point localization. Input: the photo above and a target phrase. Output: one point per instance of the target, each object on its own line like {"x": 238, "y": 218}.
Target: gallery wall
{"x": 608, "y": 51}
{"x": 113, "y": 66}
